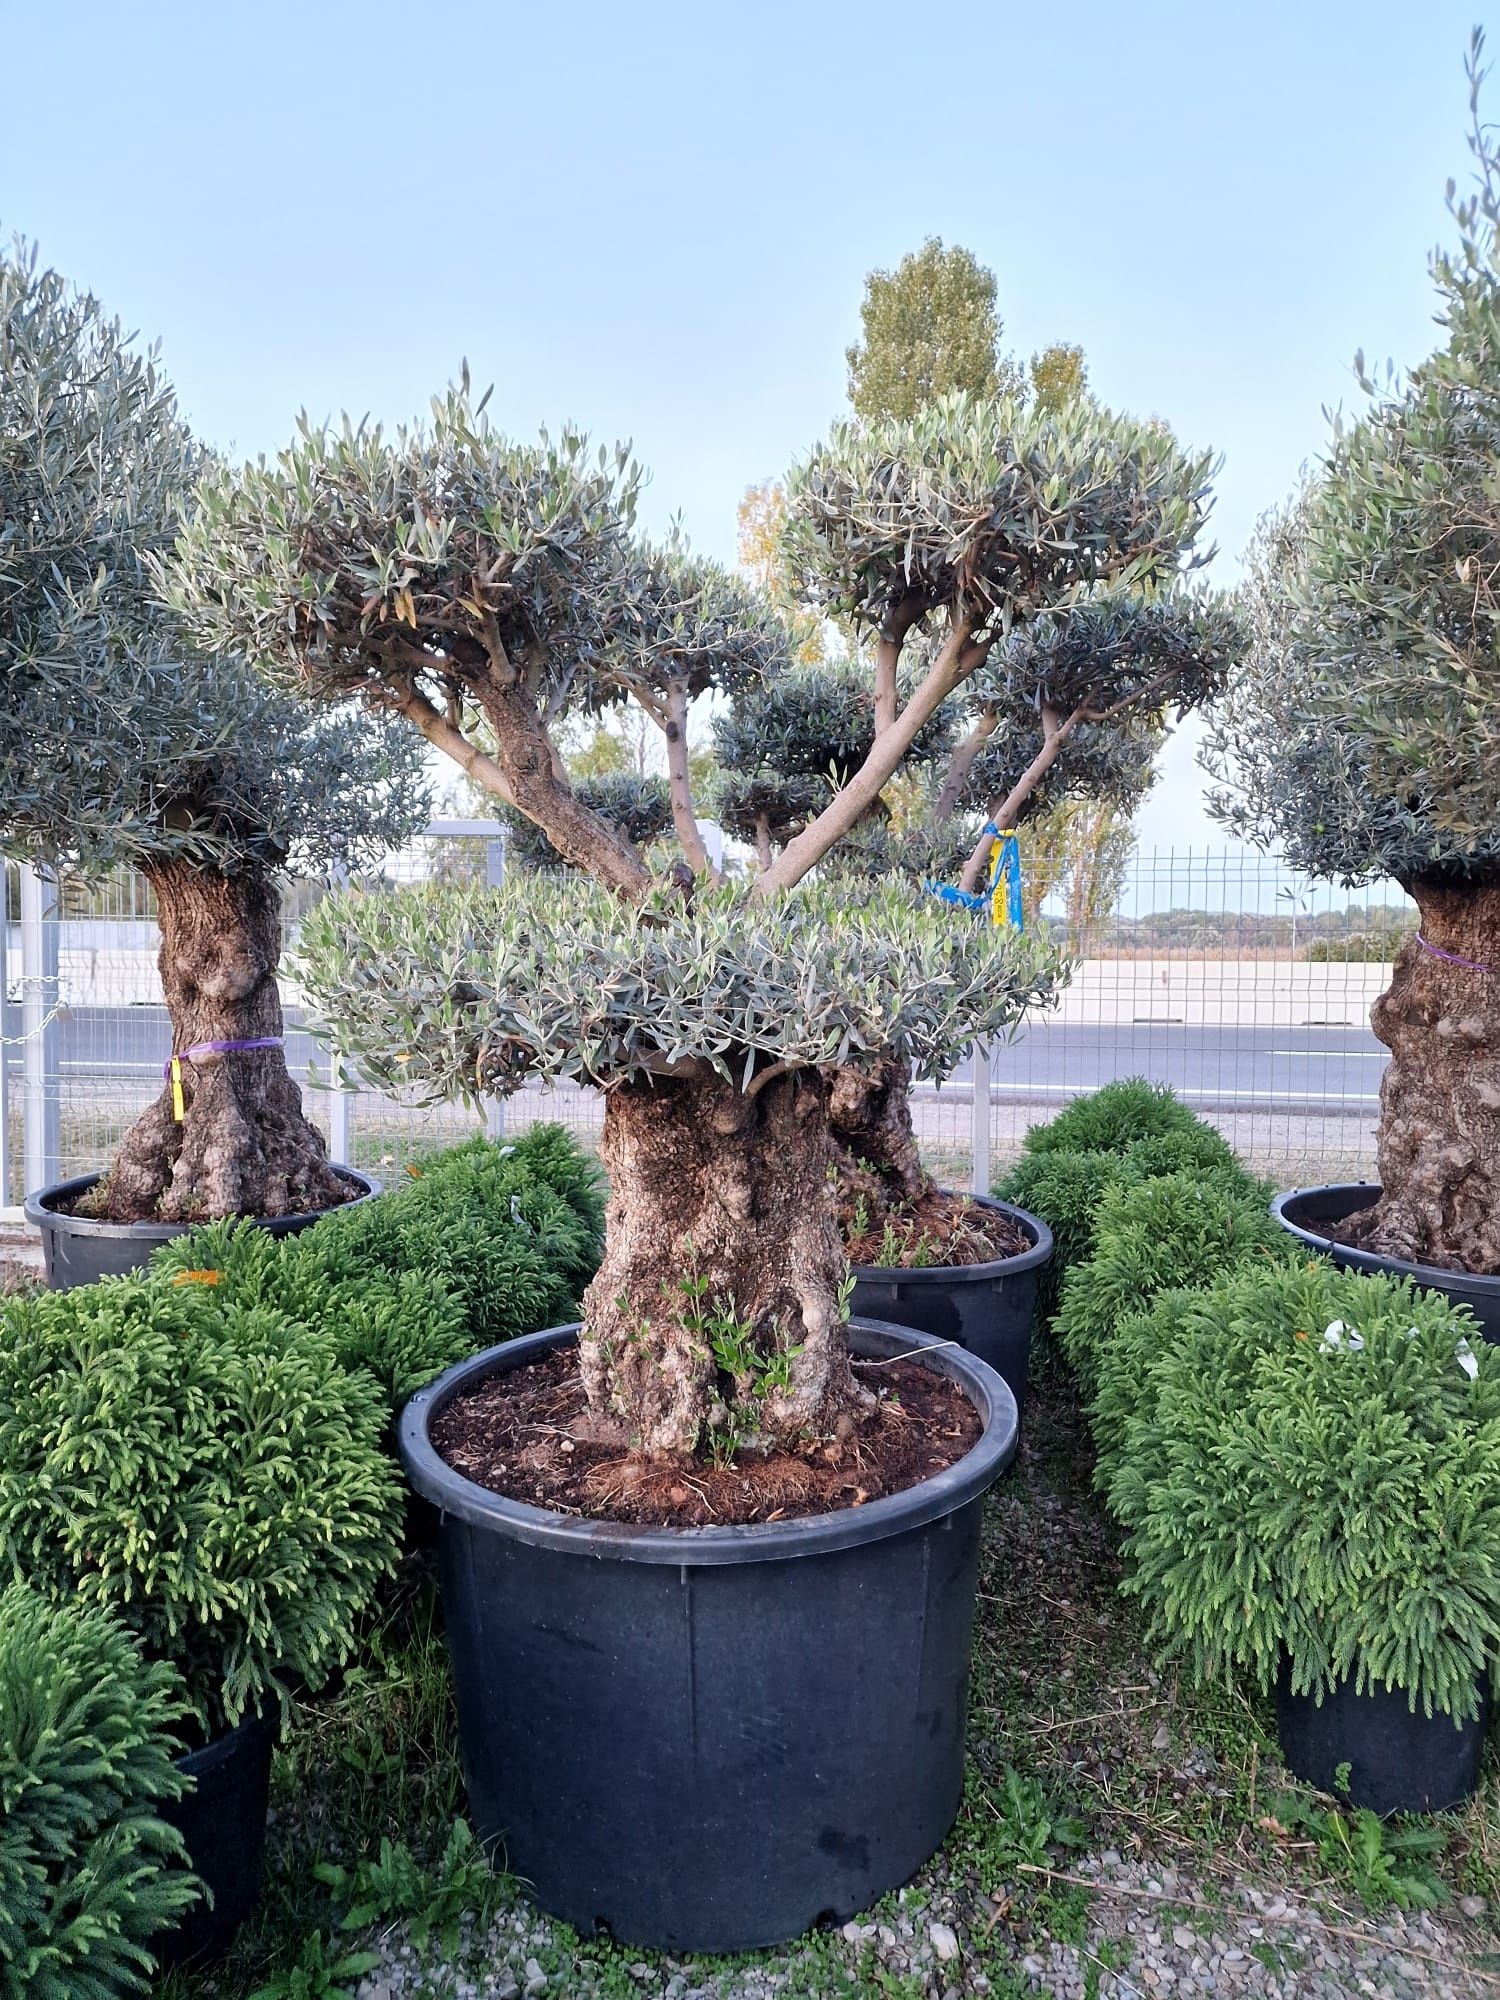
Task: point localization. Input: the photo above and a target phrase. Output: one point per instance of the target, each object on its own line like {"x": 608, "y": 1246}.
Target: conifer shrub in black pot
{"x": 90, "y": 1870}
{"x": 211, "y": 1474}
{"x": 1307, "y": 1467}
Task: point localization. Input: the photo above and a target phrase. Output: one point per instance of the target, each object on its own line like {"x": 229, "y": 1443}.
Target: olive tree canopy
{"x": 118, "y": 741}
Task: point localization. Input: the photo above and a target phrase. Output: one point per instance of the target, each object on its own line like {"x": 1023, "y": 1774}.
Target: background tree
{"x": 931, "y": 327}
{"x": 1363, "y": 735}
{"x": 119, "y": 743}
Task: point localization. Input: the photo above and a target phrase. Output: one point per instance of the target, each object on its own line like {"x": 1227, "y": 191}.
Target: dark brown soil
{"x": 936, "y": 1228}
{"x": 527, "y": 1435}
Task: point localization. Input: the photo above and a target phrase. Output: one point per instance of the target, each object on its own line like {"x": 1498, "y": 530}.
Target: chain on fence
{"x": 1246, "y": 989}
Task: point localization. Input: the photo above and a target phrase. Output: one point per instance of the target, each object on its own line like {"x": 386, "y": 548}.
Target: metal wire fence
{"x": 1245, "y": 988}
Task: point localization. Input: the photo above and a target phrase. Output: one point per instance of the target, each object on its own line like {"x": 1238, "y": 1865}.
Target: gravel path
{"x": 1145, "y": 1936}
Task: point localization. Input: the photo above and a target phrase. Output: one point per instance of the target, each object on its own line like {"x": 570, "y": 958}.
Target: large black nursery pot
{"x": 710, "y": 1739}
{"x": 222, "y": 1821}
{"x": 1398, "y": 1759}
{"x": 78, "y": 1250}
{"x": 987, "y": 1308}
{"x": 1309, "y": 1213}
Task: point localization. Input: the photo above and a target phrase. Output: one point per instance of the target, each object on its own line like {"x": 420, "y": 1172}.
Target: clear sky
{"x": 655, "y": 218}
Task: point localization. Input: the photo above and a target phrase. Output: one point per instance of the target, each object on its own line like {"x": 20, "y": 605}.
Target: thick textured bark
{"x": 523, "y": 755}
{"x": 243, "y": 1146}
{"x": 719, "y": 1204}
{"x": 869, "y": 1118}
{"x": 1439, "y": 1144}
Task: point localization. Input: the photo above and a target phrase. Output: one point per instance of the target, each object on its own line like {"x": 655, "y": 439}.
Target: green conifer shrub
{"x": 207, "y": 1469}
{"x": 1312, "y": 1469}
{"x": 1112, "y": 1118}
{"x": 1066, "y": 1188}
{"x": 88, "y": 1870}
{"x": 516, "y": 1231}
{"x": 1181, "y": 1229}
{"x": 481, "y": 1243}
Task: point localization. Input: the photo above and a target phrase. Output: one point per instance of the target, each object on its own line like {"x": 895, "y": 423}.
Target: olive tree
{"x": 1363, "y": 735}
{"x": 476, "y": 586}
{"x": 120, "y": 744}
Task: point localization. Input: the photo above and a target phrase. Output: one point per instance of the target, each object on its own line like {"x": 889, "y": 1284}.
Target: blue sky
{"x": 655, "y": 219}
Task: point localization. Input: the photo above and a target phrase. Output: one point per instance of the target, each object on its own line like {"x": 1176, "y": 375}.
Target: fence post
{"x": 979, "y": 1117}
{"x": 41, "y": 1073}
{"x": 4, "y": 1038}
{"x": 340, "y": 1097}
{"x": 494, "y": 875}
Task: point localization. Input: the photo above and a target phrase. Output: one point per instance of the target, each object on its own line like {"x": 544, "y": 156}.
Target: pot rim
{"x": 1436, "y": 1276}
{"x": 41, "y": 1210}
{"x": 256, "y": 1722}
{"x": 970, "y": 1274}
{"x": 767, "y": 1541}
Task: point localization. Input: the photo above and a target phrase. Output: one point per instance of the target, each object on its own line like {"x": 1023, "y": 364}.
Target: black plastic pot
{"x": 710, "y": 1739}
{"x": 79, "y": 1250}
{"x": 1309, "y": 1213}
{"x": 222, "y": 1821}
{"x": 987, "y": 1308}
{"x": 1399, "y": 1760}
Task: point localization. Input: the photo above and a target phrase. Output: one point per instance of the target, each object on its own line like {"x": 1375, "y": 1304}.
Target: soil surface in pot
{"x": 939, "y": 1227}
{"x": 525, "y": 1434}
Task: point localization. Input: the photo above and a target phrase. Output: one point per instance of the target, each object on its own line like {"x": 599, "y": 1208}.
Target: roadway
{"x": 1219, "y": 1067}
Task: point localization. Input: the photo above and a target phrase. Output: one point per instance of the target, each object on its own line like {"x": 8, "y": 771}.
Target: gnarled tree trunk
{"x": 869, "y": 1117}
{"x": 242, "y": 1146}
{"x": 1439, "y": 1145}
{"x": 730, "y": 1193}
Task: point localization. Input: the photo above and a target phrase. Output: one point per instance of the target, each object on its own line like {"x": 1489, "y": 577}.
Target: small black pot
{"x": 709, "y": 1739}
{"x": 1309, "y": 1213}
{"x": 79, "y": 1250}
{"x": 222, "y": 1821}
{"x": 987, "y": 1308}
{"x": 1400, "y": 1759}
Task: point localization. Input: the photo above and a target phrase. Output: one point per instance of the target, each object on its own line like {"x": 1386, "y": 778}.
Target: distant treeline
{"x": 1362, "y": 933}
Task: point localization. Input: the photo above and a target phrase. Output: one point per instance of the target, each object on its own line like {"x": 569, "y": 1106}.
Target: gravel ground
{"x": 1144, "y": 1936}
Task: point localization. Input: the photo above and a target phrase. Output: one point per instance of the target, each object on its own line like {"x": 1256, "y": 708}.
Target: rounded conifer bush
{"x": 209, "y": 1470}
{"x": 1307, "y": 1465}
{"x": 1108, "y": 1120}
{"x": 481, "y": 1243}
{"x": 89, "y": 1872}
{"x": 1180, "y": 1229}
{"x": 1066, "y": 1189}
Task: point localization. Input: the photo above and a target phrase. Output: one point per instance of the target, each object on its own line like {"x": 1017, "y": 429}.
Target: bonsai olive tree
{"x": 467, "y": 583}
{"x": 1363, "y": 737}
{"x": 121, "y": 745}
{"x": 712, "y": 1026}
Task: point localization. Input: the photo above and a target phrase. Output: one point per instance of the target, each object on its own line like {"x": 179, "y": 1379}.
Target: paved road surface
{"x": 1320, "y": 1069}
{"x": 1317, "y": 1069}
